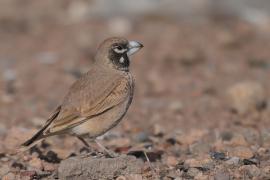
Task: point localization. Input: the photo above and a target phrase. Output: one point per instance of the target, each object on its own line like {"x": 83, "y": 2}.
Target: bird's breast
{"x": 101, "y": 124}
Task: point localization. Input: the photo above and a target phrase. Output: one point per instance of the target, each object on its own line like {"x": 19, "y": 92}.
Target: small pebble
{"x": 47, "y": 58}
{"x": 171, "y": 161}
{"x": 4, "y": 169}
{"x": 3, "y": 129}
{"x": 246, "y": 96}
{"x": 158, "y": 130}
{"x": 51, "y": 157}
{"x": 241, "y": 152}
{"x": 36, "y": 163}
{"x": 9, "y": 176}
{"x": 204, "y": 163}
{"x": 218, "y": 155}
{"x": 251, "y": 161}
{"x": 9, "y": 75}
{"x": 251, "y": 170}
{"x": 199, "y": 148}
{"x": 142, "y": 137}
{"x": 192, "y": 172}
{"x": 222, "y": 176}
{"x": 233, "y": 161}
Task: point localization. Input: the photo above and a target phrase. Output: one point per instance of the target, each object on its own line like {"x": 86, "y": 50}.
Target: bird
{"x": 98, "y": 100}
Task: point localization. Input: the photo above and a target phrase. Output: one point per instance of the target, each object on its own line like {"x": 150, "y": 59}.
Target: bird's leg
{"x": 104, "y": 149}
{"x": 87, "y": 146}
{"x": 84, "y": 141}
{"x": 107, "y": 151}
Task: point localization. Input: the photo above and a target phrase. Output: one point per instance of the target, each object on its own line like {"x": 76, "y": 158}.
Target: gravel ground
{"x": 200, "y": 109}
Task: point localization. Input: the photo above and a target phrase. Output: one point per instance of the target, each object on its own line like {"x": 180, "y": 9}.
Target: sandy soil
{"x": 200, "y": 106}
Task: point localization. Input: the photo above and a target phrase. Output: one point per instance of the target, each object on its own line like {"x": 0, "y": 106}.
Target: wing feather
{"x": 81, "y": 105}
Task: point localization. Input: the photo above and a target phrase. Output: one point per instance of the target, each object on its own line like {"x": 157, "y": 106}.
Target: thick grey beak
{"x": 133, "y": 47}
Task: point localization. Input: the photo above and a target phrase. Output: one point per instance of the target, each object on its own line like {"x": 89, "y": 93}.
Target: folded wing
{"x": 89, "y": 99}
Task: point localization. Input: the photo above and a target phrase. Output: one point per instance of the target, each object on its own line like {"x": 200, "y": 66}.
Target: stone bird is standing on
{"x": 98, "y": 100}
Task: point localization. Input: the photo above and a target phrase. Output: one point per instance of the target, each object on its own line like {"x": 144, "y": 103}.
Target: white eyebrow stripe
{"x": 119, "y": 51}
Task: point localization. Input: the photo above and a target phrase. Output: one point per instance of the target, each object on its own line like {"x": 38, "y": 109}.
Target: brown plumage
{"x": 98, "y": 100}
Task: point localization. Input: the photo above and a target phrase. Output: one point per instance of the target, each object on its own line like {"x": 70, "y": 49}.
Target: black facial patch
{"x": 120, "y": 60}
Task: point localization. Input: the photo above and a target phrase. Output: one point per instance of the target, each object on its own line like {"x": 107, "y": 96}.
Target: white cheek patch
{"x": 121, "y": 60}
{"x": 119, "y": 51}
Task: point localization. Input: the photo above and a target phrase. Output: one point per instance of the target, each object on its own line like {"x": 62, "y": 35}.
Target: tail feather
{"x": 39, "y": 135}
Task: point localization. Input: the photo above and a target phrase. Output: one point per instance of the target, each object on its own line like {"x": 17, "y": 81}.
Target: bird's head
{"x": 115, "y": 52}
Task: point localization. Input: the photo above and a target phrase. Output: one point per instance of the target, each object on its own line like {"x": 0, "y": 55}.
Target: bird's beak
{"x": 133, "y": 47}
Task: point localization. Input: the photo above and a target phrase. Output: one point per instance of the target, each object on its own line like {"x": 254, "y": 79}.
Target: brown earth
{"x": 200, "y": 107}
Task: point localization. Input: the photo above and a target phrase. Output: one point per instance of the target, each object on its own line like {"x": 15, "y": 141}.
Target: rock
{"x": 141, "y": 137}
{"x": 205, "y": 163}
{"x": 48, "y": 166}
{"x": 252, "y": 136}
{"x": 261, "y": 151}
{"x": 50, "y": 157}
{"x": 192, "y": 172}
{"x": 241, "y": 152}
{"x": 119, "y": 142}
{"x": 27, "y": 174}
{"x": 9, "y": 176}
{"x": 9, "y": 75}
{"x": 226, "y": 39}
{"x": 266, "y": 171}
{"x": 265, "y": 135}
{"x": 4, "y": 170}
{"x": 175, "y": 106}
{"x": 17, "y": 165}
{"x": 98, "y": 168}
{"x": 200, "y": 176}
{"x": 62, "y": 153}
{"x": 134, "y": 177}
{"x": 193, "y": 136}
{"x": 6, "y": 98}
{"x": 251, "y": 161}
{"x": 172, "y": 174}
{"x": 192, "y": 58}
{"x": 226, "y": 135}
{"x": 47, "y": 58}
{"x": 5, "y": 159}
{"x": 16, "y": 136}
{"x": 199, "y": 148}
{"x": 218, "y": 155}
{"x": 171, "y": 161}
{"x": 3, "y": 129}
{"x": 233, "y": 161}
{"x": 130, "y": 177}
{"x": 121, "y": 178}
{"x": 222, "y": 176}
{"x": 36, "y": 163}
{"x": 158, "y": 130}
{"x": 237, "y": 140}
{"x": 246, "y": 96}
{"x": 38, "y": 122}
{"x": 250, "y": 170}
{"x": 153, "y": 155}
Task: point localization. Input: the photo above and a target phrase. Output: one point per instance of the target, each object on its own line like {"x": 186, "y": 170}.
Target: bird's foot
{"x": 109, "y": 153}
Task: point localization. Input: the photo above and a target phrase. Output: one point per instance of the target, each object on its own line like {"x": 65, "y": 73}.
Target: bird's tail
{"x": 39, "y": 135}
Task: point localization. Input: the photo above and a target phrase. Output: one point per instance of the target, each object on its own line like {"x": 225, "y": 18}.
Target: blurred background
{"x": 205, "y": 64}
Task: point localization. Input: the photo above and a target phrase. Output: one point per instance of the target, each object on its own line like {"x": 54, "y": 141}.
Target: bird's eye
{"x": 119, "y": 49}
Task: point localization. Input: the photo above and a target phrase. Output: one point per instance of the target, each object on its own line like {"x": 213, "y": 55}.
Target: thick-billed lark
{"x": 98, "y": 100}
